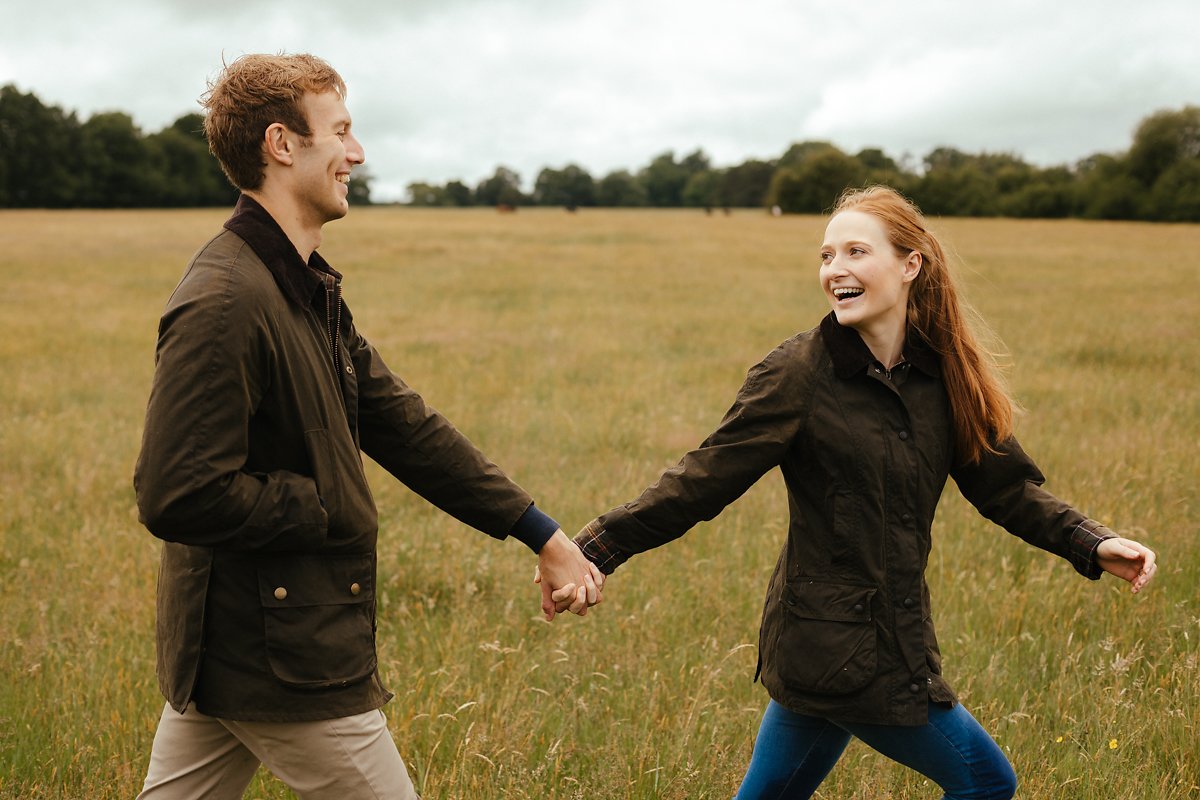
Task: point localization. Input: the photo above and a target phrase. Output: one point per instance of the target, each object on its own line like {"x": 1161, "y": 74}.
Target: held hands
{"x": 1128, "y": 560}
{"x": 569, "y": 581}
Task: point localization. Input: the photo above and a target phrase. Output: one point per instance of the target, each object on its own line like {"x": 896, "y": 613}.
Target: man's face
{"x": 323, "y": 167}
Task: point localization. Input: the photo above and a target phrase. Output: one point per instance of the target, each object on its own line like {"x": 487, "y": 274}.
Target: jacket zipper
{"x": 333, "y": 323}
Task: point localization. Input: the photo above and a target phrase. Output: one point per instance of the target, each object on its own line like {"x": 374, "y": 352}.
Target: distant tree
{"x": 458, "y": 194}
{"x": 1050, "y": 193}
{"x": 426, "y": 194}
{"x": 703, "y": 189}
{"x": 189, "y": 175}
{"x": 116, "y": 157}
{"x": 800, "y": 152}
{"x": 963, "y": 191}
{"x": 875, "y": 160}
{"x": 813, "y": 185}
{"x": 40, "y": 153}
{"x": 503, "y": 188}
{"x": 1176, "y": 193}
{"x": 620, "y": 189}
{"x": 1108, "y": 190}
{"x": 1162, "y": 140}
{"x": 972, "y": 185}
{"x": 570, "y": 187}
{"x": 663, "y": 180}
{"x": 746, "y": 185}
{"x": 696, "y": 162}
{"x": 946, "y": 158}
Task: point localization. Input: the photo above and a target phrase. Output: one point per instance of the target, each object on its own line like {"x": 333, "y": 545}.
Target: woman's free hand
{"x": 1128, "y": 560}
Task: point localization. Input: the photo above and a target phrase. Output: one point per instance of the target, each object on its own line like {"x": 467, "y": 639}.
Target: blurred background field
{"x": 584, "y": 353}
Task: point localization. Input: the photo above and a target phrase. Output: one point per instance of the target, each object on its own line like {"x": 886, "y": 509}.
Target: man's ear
{"x": 912, "y": 266}
{"x": 277, "y": 144}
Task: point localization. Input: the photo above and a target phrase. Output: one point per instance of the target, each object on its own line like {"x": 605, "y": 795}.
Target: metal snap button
{"x": 281, "y": 593}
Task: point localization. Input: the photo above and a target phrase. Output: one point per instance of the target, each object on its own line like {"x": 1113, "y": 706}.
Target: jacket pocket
{"x": 342, "y": 487}
{"x": 319, "y": 619}
{"x": 827, "y": 640}
{"x": 323, "y": 472}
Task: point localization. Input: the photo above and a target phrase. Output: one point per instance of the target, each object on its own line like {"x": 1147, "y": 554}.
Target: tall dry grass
{"x": 584, "y": 353}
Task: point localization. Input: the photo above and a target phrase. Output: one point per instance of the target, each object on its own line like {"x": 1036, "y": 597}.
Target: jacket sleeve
{"x": 192, "y": 486}
{"x": 1006, "y": 487}
{"x": 424, "y": 451}
{"x": 753, "y": 437}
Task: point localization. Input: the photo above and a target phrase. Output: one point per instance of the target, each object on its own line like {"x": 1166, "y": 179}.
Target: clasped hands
{"x": 569, "y": 581}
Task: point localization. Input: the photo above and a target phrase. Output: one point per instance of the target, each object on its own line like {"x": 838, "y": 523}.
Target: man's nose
{"x": 354, "y": 151}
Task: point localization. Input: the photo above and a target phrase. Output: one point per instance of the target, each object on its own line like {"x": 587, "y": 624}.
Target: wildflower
{"x": 1112, "y": 744}
{"x": 1059, "y": 740}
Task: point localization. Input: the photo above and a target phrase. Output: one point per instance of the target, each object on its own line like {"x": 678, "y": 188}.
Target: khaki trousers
{"x": 196, "y": 756}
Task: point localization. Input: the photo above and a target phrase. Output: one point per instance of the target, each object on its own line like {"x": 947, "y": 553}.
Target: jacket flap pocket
{"x": 315, "y": 581}
{"x": 838, "y": 602}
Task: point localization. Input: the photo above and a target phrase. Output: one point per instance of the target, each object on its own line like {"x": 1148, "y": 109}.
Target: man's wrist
{"x": 534, "y": 528}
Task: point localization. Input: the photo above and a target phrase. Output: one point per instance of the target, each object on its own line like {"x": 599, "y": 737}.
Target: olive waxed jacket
{"x": 250, "y": 470}
{"x": 847, "y": 630}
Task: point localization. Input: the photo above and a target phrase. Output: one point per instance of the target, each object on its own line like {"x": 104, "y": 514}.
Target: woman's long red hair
{"x": 980, "y": 405}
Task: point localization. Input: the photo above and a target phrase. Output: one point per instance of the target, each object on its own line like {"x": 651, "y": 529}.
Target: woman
{"x": 866, "y": 415}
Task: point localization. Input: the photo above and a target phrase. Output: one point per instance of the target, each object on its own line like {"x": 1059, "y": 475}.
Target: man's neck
{"x": 304, "y": 236}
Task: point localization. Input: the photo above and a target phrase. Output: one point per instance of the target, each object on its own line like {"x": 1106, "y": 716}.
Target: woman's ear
{"x": 277, "y": 145}
{"x": 912, "y": 266}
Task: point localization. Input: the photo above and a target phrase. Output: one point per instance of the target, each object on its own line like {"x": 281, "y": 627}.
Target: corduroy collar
{"x": 298, "y": 281}
{"x": 851, "y": 355}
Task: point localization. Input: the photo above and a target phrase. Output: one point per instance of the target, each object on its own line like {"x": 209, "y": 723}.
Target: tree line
{"x": 1158, "y": 178}
{"x": 49, "y": 158}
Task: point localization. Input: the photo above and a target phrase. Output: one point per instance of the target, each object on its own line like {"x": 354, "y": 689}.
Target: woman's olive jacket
{"x": 250, "y": 471}
{"x": 847, "y": 630}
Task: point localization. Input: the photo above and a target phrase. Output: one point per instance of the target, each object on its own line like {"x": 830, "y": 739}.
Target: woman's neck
{"x": 886, "y": 342}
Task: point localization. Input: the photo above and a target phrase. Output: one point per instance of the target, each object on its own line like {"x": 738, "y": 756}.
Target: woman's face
{"x": 865, "y": 281}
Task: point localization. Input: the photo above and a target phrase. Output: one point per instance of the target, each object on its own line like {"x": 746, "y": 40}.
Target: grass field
{"x": 584, "y": 353}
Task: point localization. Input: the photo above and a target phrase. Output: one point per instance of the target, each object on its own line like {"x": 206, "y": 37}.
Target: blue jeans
{"x": 793, "y": 753}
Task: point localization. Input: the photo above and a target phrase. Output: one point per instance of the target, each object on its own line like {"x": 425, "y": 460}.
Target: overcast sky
{"x": 449, "y": 89}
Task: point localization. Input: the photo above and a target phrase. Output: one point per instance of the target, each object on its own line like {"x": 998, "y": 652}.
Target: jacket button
{"x": 281, "y": 593}
{"x": 355, "y": 589}
{"x": 914, "y": 688}
{"x": 908, "y": 602}
{"x": 903, "y": 436}
{"x": 349, "y": 370}
{"x": 858, "y": 608}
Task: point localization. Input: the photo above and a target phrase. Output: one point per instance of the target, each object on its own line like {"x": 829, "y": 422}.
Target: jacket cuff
{"x": 534, "y": 528}
{"x": 1082, "y": 545}
{"x": 594, "y": 541}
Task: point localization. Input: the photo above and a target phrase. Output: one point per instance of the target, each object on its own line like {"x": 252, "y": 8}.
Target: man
{"x": 250, "y": 470}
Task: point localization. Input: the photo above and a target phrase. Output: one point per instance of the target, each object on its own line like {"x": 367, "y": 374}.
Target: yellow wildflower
{"x": 1112, "y": 744}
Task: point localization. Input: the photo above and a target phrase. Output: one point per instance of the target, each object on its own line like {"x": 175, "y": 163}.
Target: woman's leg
{"x": 952, "y": 750}
{"x": 792, "y": 755}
